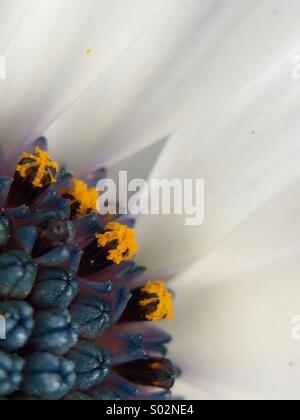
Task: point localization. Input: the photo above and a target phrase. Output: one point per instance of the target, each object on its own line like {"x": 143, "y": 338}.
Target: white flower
{"x": 104, "y": 79}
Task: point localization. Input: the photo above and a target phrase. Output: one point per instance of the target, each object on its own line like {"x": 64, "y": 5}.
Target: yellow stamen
{"x": 84, "y": 196}
{"x": 122, "y": 238}
{"x": 162, "y": 297}
{"x": 39, "y": 160}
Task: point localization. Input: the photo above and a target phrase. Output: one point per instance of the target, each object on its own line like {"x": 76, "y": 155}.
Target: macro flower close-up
{"x": 149, "y": 183}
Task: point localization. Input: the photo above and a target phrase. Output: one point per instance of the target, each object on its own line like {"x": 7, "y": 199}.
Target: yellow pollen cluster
{"x": 160, "y": 295}
{"x": 39, "y": 160}
{"x": 83, "y": 195}
{"x": 122, "y": 238}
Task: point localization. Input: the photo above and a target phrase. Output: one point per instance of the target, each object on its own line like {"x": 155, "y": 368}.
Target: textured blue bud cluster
{"x": 64, "y": 338}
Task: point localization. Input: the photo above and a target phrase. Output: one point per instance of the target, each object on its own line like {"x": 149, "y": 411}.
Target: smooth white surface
{"x": 246, "y": 149}
{"x": 58, "y": 50}
{"x": 103, "y": 79}
{"x": 235, "y": 309}
{"x": 11, "y": 13}
{"x": 193, "y": 55}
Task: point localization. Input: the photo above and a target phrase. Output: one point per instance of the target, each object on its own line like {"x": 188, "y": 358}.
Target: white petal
{"x": 246, "y": 149}
{"x": 55, "y": 51}
{"x": 192, "y": 56}
{"x": 11, "y": 13}
{"x": 139, "y": 165}
{"x": 233, "y": 334}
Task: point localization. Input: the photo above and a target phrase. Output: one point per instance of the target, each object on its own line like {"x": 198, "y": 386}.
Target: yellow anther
{"x": 162, "y": 300}
{"x": 86, "y": 198}
{"x": 41, "y": 164}
{"x": 121, "y": 239}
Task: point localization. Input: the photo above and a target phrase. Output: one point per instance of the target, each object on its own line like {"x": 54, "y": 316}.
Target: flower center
{"x": 64, "y": 337}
